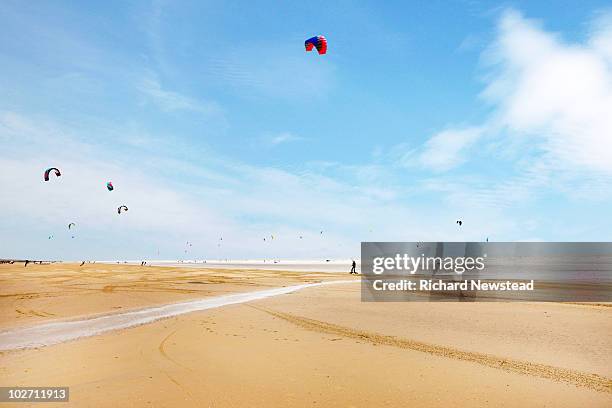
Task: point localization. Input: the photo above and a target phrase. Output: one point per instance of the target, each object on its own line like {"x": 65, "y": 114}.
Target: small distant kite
{"x": 109, "y": 186}
{"x": 52, "y": 169}
{"x": 50, "y": 236}
{"x": 319, "y": 42}
{"x": 72, "y": 224}
{"x": 121, "y": 208}
{"x": 460, "y": 222}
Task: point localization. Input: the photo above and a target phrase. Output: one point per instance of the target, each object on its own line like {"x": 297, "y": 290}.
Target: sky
{"x": 217, "y": 129}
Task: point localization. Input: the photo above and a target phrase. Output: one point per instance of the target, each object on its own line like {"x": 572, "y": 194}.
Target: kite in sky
{"x": 55, "y": 170}
{"x": 319, "y": 42}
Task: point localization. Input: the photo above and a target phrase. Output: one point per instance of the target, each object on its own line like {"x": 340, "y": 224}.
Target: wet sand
{"x": 320, "y": 346}
{"x": 57, "y": 291}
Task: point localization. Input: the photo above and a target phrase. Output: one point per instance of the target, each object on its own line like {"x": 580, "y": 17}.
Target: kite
{"x": 55, "y": 170}
{"x": 120, "y": 208}
{"x": 319, "y": 42}
{"x": 72, "y": 224}
{"x": 109, "y": 186}
{"x": 460, "y": 222}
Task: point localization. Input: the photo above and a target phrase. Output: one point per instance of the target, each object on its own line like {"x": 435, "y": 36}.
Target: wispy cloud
{"x": 285, "y": 72}
{"x": 443, "y": 151}
{"x": 280, "y": 138}
{"x": 170, "y": 101}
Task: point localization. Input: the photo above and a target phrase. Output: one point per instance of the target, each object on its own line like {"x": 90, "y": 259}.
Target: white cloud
{"x": 557, "y": 94}
{"x": 445, "y": 150}
{"x": 551, "y": 122}
{"x": 170, "y": 101}
{"x": 601, "y": 35}
{"x": 281, "y": 138}
{"x": 550, "y": 94}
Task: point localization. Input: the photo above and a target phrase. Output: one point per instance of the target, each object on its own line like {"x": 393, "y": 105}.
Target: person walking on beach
{"x": 353, "y": 266}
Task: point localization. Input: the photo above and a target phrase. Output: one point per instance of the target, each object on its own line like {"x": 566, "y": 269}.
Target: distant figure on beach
{"x": 82, "y": 263}
{"x": 26, "y": 263}
{"x": 353, "y": 266}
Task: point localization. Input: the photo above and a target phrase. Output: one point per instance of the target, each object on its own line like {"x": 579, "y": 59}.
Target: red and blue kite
{"x": 319, "y": 42}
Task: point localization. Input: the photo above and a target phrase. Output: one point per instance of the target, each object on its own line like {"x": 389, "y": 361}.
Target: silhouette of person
{"x": 353, "y": 266}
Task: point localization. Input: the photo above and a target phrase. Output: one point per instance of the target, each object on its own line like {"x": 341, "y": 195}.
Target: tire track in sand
{"x": 592, "y": 381}
{"x": 162, "y": 351}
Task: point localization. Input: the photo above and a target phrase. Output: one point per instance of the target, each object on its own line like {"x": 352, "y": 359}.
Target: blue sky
{"x": 212, "y": 121}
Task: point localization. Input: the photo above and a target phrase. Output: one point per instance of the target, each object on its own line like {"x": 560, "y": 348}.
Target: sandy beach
{"x": 318, "y": 346}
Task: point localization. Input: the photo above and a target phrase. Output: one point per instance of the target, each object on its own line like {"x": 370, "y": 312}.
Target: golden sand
{"x": 318, "y": 347}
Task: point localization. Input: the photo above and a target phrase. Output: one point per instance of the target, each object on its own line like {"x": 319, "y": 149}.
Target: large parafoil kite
{"x": 109, "y": 186}
{"x": 319, "y": 42}
{"x": 52, "y": 169}
{"x": 72, "y": 224}
{"x": 121, "y": 208}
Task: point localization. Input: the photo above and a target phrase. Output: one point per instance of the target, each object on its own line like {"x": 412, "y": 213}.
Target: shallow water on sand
{"x": 61, "y": 331}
